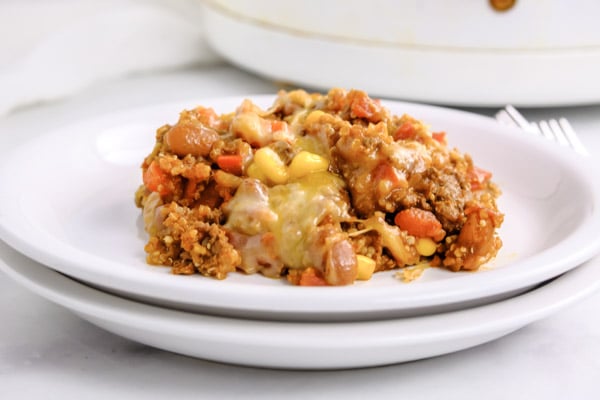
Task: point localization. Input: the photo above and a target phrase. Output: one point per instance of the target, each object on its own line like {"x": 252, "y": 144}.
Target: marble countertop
{"x": 47, "y": 352}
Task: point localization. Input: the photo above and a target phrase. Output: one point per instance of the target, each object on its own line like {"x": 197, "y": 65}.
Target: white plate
{"x": 301, "y": 345}
{"x": 424, "y": 55}
{"x": 66, "y": 200}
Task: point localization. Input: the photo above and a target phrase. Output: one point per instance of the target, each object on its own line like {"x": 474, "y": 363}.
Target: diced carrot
{"x": 439, "y": 136}
{"x": 405, "y": 131}
{"x": 478, "y": 177}
{"x": 231, "y": 163}
{"x": 157, "y": 180}
{"x": 419, "y": 223}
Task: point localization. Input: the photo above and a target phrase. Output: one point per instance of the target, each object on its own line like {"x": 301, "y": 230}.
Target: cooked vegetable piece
{"x": 476, "y": 239}
{"x": 230, "y": 163}
{"x": 419, "y": 223}
{"x": 306, "y": 277}
{"x": 439, "y": 136}
{"x": 366, "y": 267}
{"x": 271, "y": 165}
{"x": 187, "y": 137}
{"x": 478, "y": 177}
{"x": 425, "y": 246}
{"x": 405, "y": 131}
{"x": 157, "y": 180}
{"x": 305, "y": 163}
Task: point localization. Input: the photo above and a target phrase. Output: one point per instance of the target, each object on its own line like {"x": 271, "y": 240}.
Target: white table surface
{"x": 47, "y": 352}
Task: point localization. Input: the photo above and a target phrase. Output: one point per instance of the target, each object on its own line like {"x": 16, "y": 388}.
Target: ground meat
{"x": 441, "y": 191}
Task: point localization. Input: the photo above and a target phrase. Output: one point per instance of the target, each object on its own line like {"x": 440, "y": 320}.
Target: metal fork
{"x": 559, "y": 131}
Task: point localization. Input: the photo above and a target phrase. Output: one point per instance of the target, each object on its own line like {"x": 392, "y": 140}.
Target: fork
{"x": 559, "y": 131}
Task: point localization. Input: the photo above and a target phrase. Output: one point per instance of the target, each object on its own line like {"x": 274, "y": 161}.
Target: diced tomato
{"x": 277, "y": 125}
{"x": 362, "y": 106}
{"x": 419, "y": 223}
{"x": 311, "y": 277}
{"x": 385, "y": 171}
{"x": 405, "y": 131}
{"x": 307, "y": 277}
{"x": 478, "y": 177}
{"x": 231, "y": 163}
{"x": 157, "y": 180}
{"x": 439, "y": 136}
{"x": 206, "y": 116}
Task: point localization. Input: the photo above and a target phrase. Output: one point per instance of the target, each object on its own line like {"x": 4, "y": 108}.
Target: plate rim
{"x": 58, "y": 263}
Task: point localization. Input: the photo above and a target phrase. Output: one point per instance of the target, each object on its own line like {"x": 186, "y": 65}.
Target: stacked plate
{"x": 75, "y": 237}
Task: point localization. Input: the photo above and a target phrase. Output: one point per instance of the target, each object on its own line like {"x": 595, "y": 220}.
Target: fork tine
{"x": 518, "y": 118}
{"x": 572, "y": 136}
{"x": 506, "y": 119}
{"x": 558, "y": 132}
{"x": 511, "y": 117}
{"x": 535, "y": 128}
{"x": 546, "y": 131}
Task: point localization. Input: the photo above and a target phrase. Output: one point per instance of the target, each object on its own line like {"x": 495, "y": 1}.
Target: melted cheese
{"x": 248, "y": 211}
{"x": 301, "y": 206}
{"x": 289, "y": 212}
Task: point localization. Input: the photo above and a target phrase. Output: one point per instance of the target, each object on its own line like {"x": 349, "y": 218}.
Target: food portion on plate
{"x": 319, "y": 189}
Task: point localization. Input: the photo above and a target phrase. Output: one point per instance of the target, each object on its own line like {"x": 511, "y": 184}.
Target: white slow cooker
{"x": 458, "y": 52}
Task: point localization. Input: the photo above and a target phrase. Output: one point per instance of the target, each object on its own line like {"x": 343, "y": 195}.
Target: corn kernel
{"x": 313, "y": 117}
{"x": 254, "y": 172}
{"x": 425, "y": 246}
{"x": 249, "y": 127}
{"x": 269, "y": 163}
{"x": 365, "y": 266}
{"x": 305, "y": 163}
